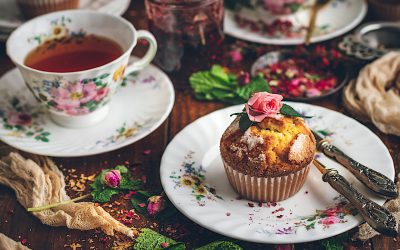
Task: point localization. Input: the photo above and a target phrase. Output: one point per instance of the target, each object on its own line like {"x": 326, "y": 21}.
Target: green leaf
{"x": 104, "y": 76}
{"x": 176, "y": 246}
{"x": 244, "y": 122}
{"x": 334, "y": 243}
{"x": 219, "y": 72}
{"x": 44, "y": 139}
{"x": 135, "y": 201}
{"x": 45, "y": 133}
{"x": 258, "y": 84}
{"x": 122, "y": 169}
{"x": 127, "y": 184}
{"x": 29, "y": 133}
{"x": 151, "y": 240}
{"x": 289, "y": 111}
{"x": 104, "y": 195}
{"x": 220, "y": 245}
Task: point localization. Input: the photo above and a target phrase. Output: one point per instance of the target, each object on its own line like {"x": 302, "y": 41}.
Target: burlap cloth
{"x": 39, "y": 182}
{"x": 375, "y": 94}
{"x": 9, "y": 244}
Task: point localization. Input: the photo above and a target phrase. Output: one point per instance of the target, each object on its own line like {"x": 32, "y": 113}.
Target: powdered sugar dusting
{"x": 298, "y": 144}
{"x": 251, "y": 140}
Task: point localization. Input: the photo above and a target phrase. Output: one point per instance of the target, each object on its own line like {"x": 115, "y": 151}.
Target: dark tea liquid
{"x": 70, "y": 54}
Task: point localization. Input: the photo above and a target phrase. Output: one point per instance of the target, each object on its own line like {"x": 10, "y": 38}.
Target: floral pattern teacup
{"x": 77, "y": 99}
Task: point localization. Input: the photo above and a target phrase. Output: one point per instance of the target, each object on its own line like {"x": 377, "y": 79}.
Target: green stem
{"x": 38, "y": 209}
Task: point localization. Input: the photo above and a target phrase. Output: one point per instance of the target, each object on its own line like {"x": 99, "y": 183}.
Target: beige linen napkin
{"x": 39, "y": 182}
{"x": 9, "y": 244}
{"x": 375, "y": 94}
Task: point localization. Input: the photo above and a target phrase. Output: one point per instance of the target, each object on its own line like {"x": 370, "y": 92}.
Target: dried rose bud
{"x": 164, "y": 245}
{"x": 243, "y": 78}
{"x": 112, "y": 178}
{"x": 156, "y": 205}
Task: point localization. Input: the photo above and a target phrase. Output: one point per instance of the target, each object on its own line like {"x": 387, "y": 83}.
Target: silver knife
{"x": 374, "y": 180}
{"x": 378, "y": 217}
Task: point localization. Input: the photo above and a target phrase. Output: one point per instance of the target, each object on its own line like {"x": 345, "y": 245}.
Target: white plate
{"x": 11, "y": 17}
{"x": 335, "y": 19}
{"x": 193, "y": 158}
{"x": 136, "y": 110}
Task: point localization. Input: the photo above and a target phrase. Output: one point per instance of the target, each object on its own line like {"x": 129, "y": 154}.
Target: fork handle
{"x": 374, "y": 180}
{"x": 378, "y": 217}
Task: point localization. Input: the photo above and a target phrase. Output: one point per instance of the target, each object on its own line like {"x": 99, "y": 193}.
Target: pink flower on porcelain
{"x": 71, "y": 98}
{"x": 156, "y": 204}
{"x": 330, "y": 220}
{"x": 262, "y": 105}
{"x": 101, "y": 93}
{"x": 332, "y": 211}
{"x": 282, "y": 6}
{"x": 21, "y": 119}
{"x": 112, "y": 178}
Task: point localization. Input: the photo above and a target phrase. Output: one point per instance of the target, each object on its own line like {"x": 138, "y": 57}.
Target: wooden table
{"x": 18, "y": 224}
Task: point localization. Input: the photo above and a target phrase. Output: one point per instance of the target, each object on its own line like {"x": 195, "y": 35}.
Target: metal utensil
{"x": 374, "y": 180}
{"x": 314, "y": 12}
{"x": 378, "y": 217}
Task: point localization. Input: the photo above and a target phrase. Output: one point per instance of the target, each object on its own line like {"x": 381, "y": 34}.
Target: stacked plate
{"x": 11, "y": 17}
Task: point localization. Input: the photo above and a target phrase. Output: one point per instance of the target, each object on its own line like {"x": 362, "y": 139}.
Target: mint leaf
{"x": 289, "y": 111}
{"x": 122, "y": 169}
{"x": 244, "y": 122}
{"x": 176, "y": 246}
{"x": 217, "y": 245}
{"x": 219, "y": 72}
{"x": 258, "y": 84}
{"x": 335, "y": 243}
{"x": 127, "y": 184}
{"x": 151, "y": 240}
{"x": 137, "y": 202}
{"x": 104, "y": 195}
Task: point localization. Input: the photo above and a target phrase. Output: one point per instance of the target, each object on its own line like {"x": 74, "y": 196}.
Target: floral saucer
{"x": 260, "y": 26}
{"x": 141, "y": 104}
{"x": 11, "y": 17}
{"x": 193, "y": 177}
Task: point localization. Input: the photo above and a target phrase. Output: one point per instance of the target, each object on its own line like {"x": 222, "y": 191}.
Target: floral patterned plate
{"x": 11, "y": 17}
{"x": 141, "y": 104}
{"x": 260, "y": 26}
{"x": 194, "y": 179}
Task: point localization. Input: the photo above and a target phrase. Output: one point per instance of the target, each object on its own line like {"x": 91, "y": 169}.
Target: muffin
{"x": 269, "y": 161}
{"x": 32, "y": 8}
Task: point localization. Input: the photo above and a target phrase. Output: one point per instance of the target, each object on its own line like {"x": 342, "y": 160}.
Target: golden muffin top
{"x": 270, "y": 148}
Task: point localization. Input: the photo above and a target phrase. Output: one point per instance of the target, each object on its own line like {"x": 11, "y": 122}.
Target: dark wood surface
{"x": 18, "y": 224}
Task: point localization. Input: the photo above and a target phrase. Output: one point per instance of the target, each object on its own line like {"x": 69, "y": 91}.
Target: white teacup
{"x": 71, "y": 98}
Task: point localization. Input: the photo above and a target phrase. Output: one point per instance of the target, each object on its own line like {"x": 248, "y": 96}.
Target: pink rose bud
{"x": 262, "y": 105}
{"x": 112, "y": 178}
{"x": 156, "y": 205}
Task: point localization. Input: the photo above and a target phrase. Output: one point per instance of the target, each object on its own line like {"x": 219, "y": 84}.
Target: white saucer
{"x": 136, "y": 110}
{"x": 335, "y": 19}
{"x": 193, "y": 177}
{"x": 11, "y": 17}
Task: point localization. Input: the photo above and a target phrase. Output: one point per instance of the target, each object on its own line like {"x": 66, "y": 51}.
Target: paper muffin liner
{"x": 385, "y": 10}
{"x": 32, "y": 8}
{"x": 266, "y": 189}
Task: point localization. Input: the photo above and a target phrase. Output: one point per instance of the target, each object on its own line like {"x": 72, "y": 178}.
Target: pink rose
{"x": 156, "y": 205}
{"x": 262, "y": 105}
{"x": 112, "y": 178}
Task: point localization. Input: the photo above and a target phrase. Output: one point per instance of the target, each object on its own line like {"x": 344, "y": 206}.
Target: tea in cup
{"x": 73, "y": 61}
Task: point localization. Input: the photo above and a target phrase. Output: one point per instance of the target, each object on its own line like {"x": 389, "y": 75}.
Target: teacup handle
{"x": 151, "y": 52}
